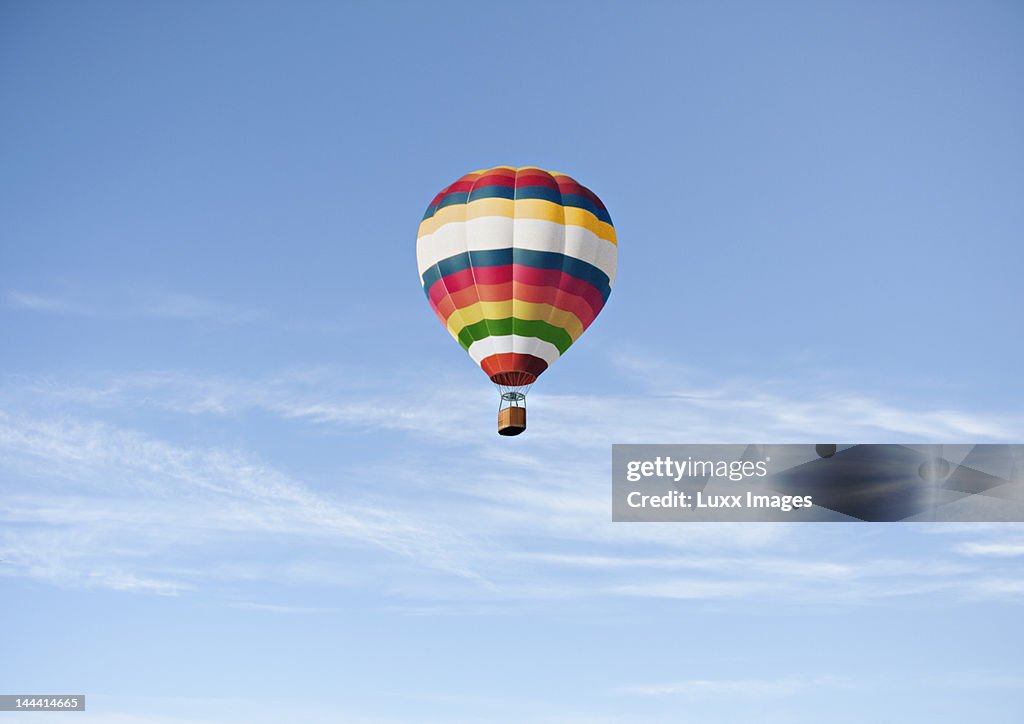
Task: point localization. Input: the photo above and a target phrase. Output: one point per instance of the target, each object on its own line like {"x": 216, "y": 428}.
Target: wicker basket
{"x": 511, "y": 420}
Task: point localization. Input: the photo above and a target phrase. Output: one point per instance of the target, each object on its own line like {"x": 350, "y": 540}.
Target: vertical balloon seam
{"x": 594, "y": 254}
{"x": 443, "y": 280}
{"x": 561, "y": 196}
{"x": 483, "y": 336}
{"x": 472, "y": 267}
{"x": 516, "y": 345}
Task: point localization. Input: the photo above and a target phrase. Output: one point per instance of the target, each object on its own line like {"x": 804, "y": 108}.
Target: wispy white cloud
{"x": 1005, "y": 549}
{"x": 188, "y": 306}
{"x": 126, "y": 581}
{"x": 486, "y": 521}
{"x": 979, "y": 680}
{"x": 775, "y": 687}
{"x": 133, "y": 305}
{"x": 1000, "y": 587}
{"x": 795, "y": 685}
{"x": 439, "y": 405}
{"x": 96, "y": 486}
{"x": 279, "y": 608}
{"x": 41, "y": 303}
{"x": 270, "y": 709}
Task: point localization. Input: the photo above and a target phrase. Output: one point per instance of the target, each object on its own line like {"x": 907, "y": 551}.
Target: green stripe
{"x": 512, "y": 325}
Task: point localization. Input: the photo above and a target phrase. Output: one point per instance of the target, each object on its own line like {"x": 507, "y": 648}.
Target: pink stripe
{"x": 518, "y": 274}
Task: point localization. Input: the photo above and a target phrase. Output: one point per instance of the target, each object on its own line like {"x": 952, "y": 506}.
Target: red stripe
{"x": 460, "y": 185}
{"x": 494, "y": 275}
{"x": 519, "y": 179}
{"x": 557, "y": 298}
{"x": 496, "y": 179}
{"x": 437, "y": 199}
{"x": 513, "y": 369}
{"x": 534, "y": 177}
{"x": 463, "y": 184}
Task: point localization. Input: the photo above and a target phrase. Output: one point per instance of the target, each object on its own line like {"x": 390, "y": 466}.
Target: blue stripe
{"x": 456, "y": 197}
{"x": 527, "y": 257}
{"x": 582, "y": 202}
{"x": 526, "y": 192}
{"x": 492, "y": 192}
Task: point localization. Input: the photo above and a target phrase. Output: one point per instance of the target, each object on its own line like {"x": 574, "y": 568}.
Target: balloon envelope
{"x": 516, "y": 263}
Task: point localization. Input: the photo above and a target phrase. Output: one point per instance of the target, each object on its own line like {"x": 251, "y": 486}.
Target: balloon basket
{"x": 512, "y": 414}
{"x": 512, "y": 421}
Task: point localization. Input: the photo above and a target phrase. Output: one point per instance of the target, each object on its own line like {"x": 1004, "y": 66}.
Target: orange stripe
{"x": 554, "y": 296}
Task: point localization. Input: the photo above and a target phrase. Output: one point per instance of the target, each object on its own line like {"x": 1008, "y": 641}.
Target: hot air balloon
{"x": 516, "y": 263}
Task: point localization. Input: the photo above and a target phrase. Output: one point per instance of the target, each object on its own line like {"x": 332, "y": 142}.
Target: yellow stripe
{"x": 523, "y": 310}
{"x": 519, "y": 209}
{"x": 456, "y": 320}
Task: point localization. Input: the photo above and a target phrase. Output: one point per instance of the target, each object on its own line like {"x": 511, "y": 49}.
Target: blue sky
{"x": 246, "y": 477}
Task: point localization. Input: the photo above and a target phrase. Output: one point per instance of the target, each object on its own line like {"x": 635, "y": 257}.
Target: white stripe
{"x": 485, "y": 348}
{"x": 450, "y": 236}
{"x": 496, "y": 232}
{"x": 608, "y": 261}
{"x": 481, "y": 349}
